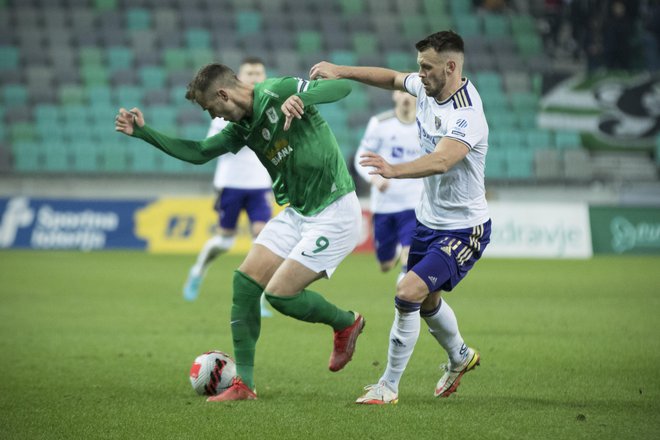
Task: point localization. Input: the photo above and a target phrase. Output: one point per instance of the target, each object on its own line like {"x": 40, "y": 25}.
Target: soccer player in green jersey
{"x": 277, "y": 119}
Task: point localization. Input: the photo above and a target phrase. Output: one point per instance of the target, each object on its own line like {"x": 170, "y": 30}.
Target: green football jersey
{"x": 305, "y": 163}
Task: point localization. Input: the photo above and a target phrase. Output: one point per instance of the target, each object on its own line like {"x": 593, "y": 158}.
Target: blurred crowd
{"x": 608, "y": 34}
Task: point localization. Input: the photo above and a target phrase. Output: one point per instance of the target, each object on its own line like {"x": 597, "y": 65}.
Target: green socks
{"x": 245, "y": 324}
{"x": 310, "y": 306}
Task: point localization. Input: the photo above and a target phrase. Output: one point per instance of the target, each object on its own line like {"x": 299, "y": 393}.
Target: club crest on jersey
{"x": 272, "y": 115}
{"x": 438, "y": 122}
{"x": 266, "y": 134}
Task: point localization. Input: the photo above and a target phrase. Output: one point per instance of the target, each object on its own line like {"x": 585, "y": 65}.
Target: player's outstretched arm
{"x": 132, "y": 123}
{"x": 316, "y": 92}
{"x": 447, "y": 153}
{"x": 373, "y": 76}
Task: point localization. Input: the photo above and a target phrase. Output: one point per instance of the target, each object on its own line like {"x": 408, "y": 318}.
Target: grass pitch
{"x": 98, "y": 345}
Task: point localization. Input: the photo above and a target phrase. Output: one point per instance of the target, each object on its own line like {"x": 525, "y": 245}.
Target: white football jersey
{"x": 457, "y": 198}
{"x": 396, "y": 142}
{"x": 241, "y": 170}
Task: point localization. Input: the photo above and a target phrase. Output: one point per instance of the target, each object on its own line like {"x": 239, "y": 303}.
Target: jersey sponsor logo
{"x": 265, "y": 134}
{"x": 279, "y": 151}
{"x": 272, "y": 115}
{"x": 271, "y": 93}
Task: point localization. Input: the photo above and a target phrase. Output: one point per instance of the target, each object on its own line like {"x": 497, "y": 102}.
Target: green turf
{"x": 98, "y": 345}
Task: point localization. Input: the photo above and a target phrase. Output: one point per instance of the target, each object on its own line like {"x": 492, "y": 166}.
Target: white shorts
{"x": 319, "y": 242}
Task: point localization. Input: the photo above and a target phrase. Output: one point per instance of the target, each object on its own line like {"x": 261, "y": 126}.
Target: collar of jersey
{"x": 452, "y": 95}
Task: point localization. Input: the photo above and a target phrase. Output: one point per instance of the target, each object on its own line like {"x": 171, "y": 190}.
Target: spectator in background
{"x": 618, "y": 30}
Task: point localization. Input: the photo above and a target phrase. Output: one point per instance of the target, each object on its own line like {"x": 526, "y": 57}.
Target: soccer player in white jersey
{"x": 242, "y": 183}
{"x": 393, "y": 135}
{"x": 453, "y": 226}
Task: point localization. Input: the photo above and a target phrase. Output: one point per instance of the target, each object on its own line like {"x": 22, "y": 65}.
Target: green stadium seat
{"x": 178, "y": 96}
{"x": 435, "y": 8}
{"x": 488, "y": 82}
{"x": 496, "y": 163}
{"x": 144, "y": 158}
{"x": 308, "y": 42}
{"x": 468, "y": 25}
{"x": 438, "y": 23}
{"x": 176, "y": 59}
{"x": 201, "y": 56}
{"x": 102, "y": 116}
{"x": 56, "y": 158}
{"x": 357, "y": 100}
{"x": 91, "y": 56}
{"x": 194, "y": 131}
{"x": 460, "y": 7}
{"x": 152, "y": 77}
{"x": 129, "y": 96}
{"x": 138, "y": 19}
{"x": 14, "y": 95}
{"x": 523, "y": 24}
{"x": 172, "y": 165}
{"x": 47, "y": 113}
{"x": 198, "y": 38}
{"x": 27, "y": 156}
{"x": 248, "y": 22}
{"x": 525, "y": 102}
{"x": 162, "y": 115}
{"x": 84, "y": 157}
{"x": 94, "y": 75}
{"x": 22, "y": 132}
{"x": 501, "y": 120}
{"x": 343, "y": 57}
{"x": 99, "y": 95}
{"x": 75, "y": 114}
{"x": 526, "y": 119}
{"x": 105, "y": 5}
{"x": 520, "y": 163}
{"x": 71, "y": 94}
{"x": 50, "y": 131}
{"x": 538, "y": 139}
{"x": 9, "y": 58}
{"x": 566, "y": 140}
{"x": 506, "y": 139}
{"x": 414, "y": 27}
{"x": 401, "y": 61}
{"x": 496, "y": 25}
{"x": 495, "y": 101}
{"x": 529, "y": 44}
{"x": 364, "y": 43}
{"x": 350, "y": 8}
{"x": 119, "y": 57}
{"x": 113, "y": 157}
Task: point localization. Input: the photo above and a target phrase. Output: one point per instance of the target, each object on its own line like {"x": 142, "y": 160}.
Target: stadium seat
{"x": 308, "y": 42}
{"x": 119, "y": 57}
{"x": 547, "y": 164}
{"x": 343, "y": 57}
{"x": 538, "y": 139}
{"x": 103, "y": 5}
{"x": 520, "y": 163}
{"x": 152, "y": 77}
{"x": 522, "y": 24}
{"x": 94, "y": 75}
{"x": 91, "y": 56}
{"x": 364, "y": 44}
{"x": 56, "y": 158}
{"x": 248, "y": 22}
{"x": 435, "y": 8}
{"x": 525, "y": 102}
{"x": 176, "y": 59}
{"x": 138, "y": 18}
{"x": 84, "y": 157}
{"x": 22, "y": 132}
{"x": 566, "y": 140}
{"x": 496, "y": 163}
{"x": 9, "y": 57}
{"x": 113, "y": 157}
{"x": 351, "y": 8}
{"x": 99, "y": 95}
{"x": 496, "y": 25}
{"x": 468, "y": 25}
{"x": 27, "y": 156}
{"x": 197, "y": 38}
{"x": 460, "y": 7}
{"x": 14, "y": 94}
{"x": 75, "y": 114}
{"x": 401, "y": 61}
{"x": 414, "y": 27}
{"x": 144, "y": 158}
{"x": 47, "y": 113}
{"x": 129, "y": 96}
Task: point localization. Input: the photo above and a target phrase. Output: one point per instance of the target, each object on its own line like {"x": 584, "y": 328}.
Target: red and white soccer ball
{"x": 212, "y": 372}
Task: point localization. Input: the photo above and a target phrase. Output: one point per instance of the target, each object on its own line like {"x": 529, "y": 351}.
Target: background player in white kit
{"x": 242, "y": 183}
{"x": 453, "y": 226}
{"x": 393, "y": 135}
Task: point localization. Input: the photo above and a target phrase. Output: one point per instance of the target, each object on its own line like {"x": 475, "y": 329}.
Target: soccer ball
{"x": 212, "y": 372}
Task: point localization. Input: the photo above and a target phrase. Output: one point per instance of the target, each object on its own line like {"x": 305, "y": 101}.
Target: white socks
{"x": 212, "y": 248}
{"x": 403, "y": 336}
{"x": 444, "y": 327}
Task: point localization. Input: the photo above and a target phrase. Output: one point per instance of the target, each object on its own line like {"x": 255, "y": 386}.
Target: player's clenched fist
{"x": 126, "y": 118}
